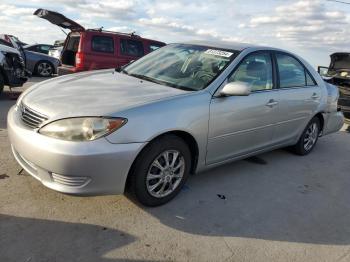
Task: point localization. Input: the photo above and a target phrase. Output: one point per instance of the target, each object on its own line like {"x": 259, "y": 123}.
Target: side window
{"x": 33, "y": 48}
{"x": 131, "y": 47}
{"x": 309, "y": 80}
{"x": 291, "y": 72}
{"x": 44, "y": 48}
{"x": 256, "y": 70}
{"x": 104, "y": 44}
{"x": 154, "y": 46}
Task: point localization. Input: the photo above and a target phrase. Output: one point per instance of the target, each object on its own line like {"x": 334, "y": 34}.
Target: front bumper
{"x": 85, "y": 168}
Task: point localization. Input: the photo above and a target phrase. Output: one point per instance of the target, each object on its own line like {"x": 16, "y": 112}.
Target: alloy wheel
{"x": 311, "y": 136}
{"x": 44, "y": 69}
{"x": 165, "y": 173}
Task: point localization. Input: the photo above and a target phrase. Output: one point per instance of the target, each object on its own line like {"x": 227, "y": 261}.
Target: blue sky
{"x": 311, "y": 28}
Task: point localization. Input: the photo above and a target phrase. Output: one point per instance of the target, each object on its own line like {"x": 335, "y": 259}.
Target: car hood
{"x": 97, "y": 93}
{"x": 9, "y": 49}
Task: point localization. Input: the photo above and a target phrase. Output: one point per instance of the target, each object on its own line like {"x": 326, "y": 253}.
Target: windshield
{"x": 188, "y": 67}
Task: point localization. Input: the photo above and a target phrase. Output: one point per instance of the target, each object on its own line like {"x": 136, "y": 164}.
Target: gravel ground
{"x": 274, "y": 207}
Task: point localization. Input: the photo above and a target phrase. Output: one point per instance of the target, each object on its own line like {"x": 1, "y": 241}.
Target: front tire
{"x": 309, "y": 138}
{"x": 44, "y": 69}
{"x": 160, "y": 171}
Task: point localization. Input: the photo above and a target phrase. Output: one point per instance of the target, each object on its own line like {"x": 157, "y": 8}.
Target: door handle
{"x": 272, "y": 103}
{"x": 315, "y": 96}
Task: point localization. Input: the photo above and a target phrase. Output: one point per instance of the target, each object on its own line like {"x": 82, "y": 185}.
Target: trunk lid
{"x": 59, "y": 20}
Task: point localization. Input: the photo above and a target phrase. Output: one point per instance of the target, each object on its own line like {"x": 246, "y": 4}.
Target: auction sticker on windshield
{"x": 218, "y": 53}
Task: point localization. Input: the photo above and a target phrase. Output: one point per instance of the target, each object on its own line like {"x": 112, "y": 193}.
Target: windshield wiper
{"x": 147, "y": 78}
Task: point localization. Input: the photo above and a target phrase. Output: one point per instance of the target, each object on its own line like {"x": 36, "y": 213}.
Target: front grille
{"x": 71, "y": 181}
{"x": 31, "y": 118}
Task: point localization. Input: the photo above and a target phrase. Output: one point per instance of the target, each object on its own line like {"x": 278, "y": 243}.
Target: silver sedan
{"x": 181, "y": 109}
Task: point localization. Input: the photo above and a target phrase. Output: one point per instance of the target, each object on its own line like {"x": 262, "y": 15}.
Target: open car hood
{"x": 59, "y": 20}
{"x": 340, "y": 61}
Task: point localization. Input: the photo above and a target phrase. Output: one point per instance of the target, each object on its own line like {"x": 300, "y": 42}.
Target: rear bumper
{"x": 65, "y": 70}
{"x": 333, "y": 122}
{"x": 84, "y": 168}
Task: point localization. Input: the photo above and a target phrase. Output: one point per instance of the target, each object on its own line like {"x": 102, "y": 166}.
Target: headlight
{"x": 82, "y": 128}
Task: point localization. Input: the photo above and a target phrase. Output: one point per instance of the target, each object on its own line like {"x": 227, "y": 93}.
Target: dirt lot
{"x": 275, "y": 207}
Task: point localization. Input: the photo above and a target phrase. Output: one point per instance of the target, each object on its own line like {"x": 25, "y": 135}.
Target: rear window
{"x": 131, "y": 47}
{"x": 104, "y": 44}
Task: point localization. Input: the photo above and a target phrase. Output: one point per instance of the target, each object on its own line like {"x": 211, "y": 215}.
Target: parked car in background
{"x": 39, "y": 48}
{"x": 338, "y": 73}
{"x": 56, "y": 52}
{"x": 7, "y": 38}
{"x": 180, "y": 109}
{"x": 12, "y": 68}
{"x": 39, "y": 64}
{"x": 57, "y": 48}
{"x": 89, "y": 49}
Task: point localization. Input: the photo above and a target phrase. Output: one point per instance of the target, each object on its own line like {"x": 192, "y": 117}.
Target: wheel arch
{"x": 185, "y": 136}
{"x": 321, "y": 119}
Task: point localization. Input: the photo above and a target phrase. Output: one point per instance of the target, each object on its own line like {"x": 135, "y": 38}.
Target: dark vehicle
{"x": 38, "y": 63}
{"x": 338, "y": 73}
{"x": 12, "y": 69}
{"x": 89, "y": 49}
{"x": 6, "y": 40}
{"x": 39, "y": 48}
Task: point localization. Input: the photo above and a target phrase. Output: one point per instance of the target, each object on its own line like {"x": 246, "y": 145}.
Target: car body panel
{"x": 223, "y": 128}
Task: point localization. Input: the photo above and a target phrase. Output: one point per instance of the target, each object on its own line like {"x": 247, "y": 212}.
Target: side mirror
{"x": 236, "y": 89}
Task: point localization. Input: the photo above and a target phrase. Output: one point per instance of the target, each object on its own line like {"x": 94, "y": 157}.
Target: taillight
{"x": 79, "y": 59}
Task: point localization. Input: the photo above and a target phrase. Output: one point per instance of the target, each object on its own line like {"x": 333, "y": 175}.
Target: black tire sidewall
{"x": 144, "y": 161}
{"x": 300, "y": 145}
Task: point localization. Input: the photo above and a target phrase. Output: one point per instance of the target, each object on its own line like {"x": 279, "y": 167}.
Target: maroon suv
{"x": 89, "y": 49}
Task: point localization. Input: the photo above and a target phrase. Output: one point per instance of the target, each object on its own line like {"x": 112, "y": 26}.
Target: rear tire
{"x": 160, "y": 171}
{"x": 308, "y": 138}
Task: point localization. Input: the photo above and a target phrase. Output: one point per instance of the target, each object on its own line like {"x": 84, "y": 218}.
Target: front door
{"x": 240, "y": 125}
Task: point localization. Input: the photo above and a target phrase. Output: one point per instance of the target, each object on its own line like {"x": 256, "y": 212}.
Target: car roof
{"x": 225, "y": 45}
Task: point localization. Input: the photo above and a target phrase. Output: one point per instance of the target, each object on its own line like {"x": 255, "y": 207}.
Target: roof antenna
{"x": 100, "y": 29}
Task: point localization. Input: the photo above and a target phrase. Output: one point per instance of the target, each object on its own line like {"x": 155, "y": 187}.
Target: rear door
{"x": 298, "y": 94}
{"x": 129, "y": 49}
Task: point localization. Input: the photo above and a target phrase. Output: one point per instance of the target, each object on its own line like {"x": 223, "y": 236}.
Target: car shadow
{"x": 279, "y": 198}
{"x": 29, "y": 239}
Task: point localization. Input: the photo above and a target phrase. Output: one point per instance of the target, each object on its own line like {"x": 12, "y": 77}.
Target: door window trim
{"x": 99, "y": 51}
{"x": 274, "y": 72}
{"x": 306, "y": 71}
{"x": 127, "y": 48}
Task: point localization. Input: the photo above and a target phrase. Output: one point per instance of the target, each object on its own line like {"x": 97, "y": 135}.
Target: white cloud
{"x": 308, "y": 24}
